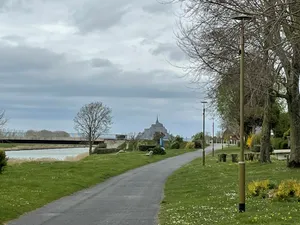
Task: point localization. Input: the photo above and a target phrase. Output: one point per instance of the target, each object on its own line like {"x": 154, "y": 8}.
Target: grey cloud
{"x": 22, "y": 58}
{"x": 100, "y": 15}
{"x": 171, "y": 50}
{"x": 34, "y": 71}
{"x": 102, "y": 88}
{"x": 12, "y": 5}
{"x": 101, "y": 63}
{"x": 41, "y": 113}
{"x": 157, "y": 7}
{"x": 15, "y": 38}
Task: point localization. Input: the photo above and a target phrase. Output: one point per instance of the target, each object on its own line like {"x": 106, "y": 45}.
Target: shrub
{"x": 3, "y": 160}
{"x": 122, "y": 146}
{"x": 287, "y": 133}
{"x": 183, "y": 144}
{"x": 256, "y": 148}
{"x": 271, "y": 149}
{"x": 179, "y": 139}
{"x": 175, "y": 145}
{"x": 256, "y": 140}
{"x": 259, "y": 188}
{"x": 197, "y": 137}
{"x": 198, "y": 144}
{"x": 120, "y": 136}
{"x": 190, "y": 145}
{"x": 276, "y": 142}
{"x": 158, "y": 151}
{"x": 98, "y": 150}
{"x": 144, "y": 148}
{"x": 284, "y": 144}
{"x": 249, "y": 141}
{"x": 132, "y": 146}
{"x": 102, "y": 145}
{"x": 288, "y": 189}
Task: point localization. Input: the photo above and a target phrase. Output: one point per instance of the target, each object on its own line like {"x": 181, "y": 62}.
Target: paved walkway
{"x": 132, "y": 198}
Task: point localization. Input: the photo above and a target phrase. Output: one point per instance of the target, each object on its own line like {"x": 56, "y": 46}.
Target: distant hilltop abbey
{"x": 148, "y": 133}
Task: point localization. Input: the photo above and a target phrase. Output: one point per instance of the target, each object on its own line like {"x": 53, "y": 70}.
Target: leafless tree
{"x": 93, "y": 120}
{"x": 272, "y": 36}
{"x": 132, "y": 141}
{"x": 3, "y": 120}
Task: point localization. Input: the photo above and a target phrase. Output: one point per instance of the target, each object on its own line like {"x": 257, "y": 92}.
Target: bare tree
{"x": 3, "y": 120}
{"x": 272, "y": 36}
{"x": 132, "y": 141}
{"x": 93, "y": 120}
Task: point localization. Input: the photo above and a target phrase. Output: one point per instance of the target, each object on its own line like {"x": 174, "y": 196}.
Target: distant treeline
{"x": 34, "y": 133}
{"x": 46, "y": 133}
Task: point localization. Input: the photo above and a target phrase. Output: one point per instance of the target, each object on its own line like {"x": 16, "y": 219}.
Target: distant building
{"x": 230, "y": 136}
{"x": 149, "y": 132}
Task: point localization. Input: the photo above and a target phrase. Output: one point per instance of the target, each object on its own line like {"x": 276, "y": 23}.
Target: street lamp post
{"x": 242, "y": 169}
{"x": 213, "y": 145}
{"x": 203, "y": 144}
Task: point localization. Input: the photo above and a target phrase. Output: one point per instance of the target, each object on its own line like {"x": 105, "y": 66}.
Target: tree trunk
{"x": 266, "y": 131}
{"x": 90, "y": 142}
{"x": 294, "y": 106}
{"x": 293, "y": 100}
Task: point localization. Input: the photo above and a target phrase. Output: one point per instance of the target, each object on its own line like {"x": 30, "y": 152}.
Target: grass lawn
{"x": 27, "y": 186}
{"x": 209, "y": 195}
{"x": 7, "y": 145}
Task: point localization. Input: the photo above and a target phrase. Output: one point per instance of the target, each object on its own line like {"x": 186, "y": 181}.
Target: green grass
{"x": 27, "y": 186}
{"x": 209, "y": 195}
{"x": 7, "y": 145}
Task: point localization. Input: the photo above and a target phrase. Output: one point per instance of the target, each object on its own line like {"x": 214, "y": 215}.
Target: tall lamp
{"x": 203, "y": 144}
{"x": 242, "y": 169}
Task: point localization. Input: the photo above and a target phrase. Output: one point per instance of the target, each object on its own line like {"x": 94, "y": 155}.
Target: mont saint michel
{"x": 148, "y": 133}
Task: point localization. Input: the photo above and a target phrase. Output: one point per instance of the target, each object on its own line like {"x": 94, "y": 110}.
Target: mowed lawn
{"x": 27, "y": 186}
{"x": 209, "y": 195}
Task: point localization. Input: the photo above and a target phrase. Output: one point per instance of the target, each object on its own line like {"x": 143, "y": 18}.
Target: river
{"x": 59, "y": 154}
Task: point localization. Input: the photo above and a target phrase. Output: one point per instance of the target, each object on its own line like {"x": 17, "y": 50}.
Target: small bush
{"x": 98, "y": 150}
{"x": 259, "y": 188}
{"x": 249, "y": 141}
{"x": 144, "y": 148}
{"x": 288, "y": 189}
{"x": 183, "y": 144}
{"x": 276, "y": 143}
{"x": 132, "y": 146}
{"x": 287, "y": 133}
{"x": 120, "y": 136}
{"x": 190, "y": 145}
{"x": 175, "y": 145}
{"x": 102, "y": 145}
{"x": 122, "y": 146}
{"x": 3, "y": 160}
{"x": 158, "y": 151}
{"x": 256, "y": 148}
{"x": 284, "y": 144}
{"x": 179, "y": 139}
{"x": 256, "y": 140}
{"x": 198, "y": 144}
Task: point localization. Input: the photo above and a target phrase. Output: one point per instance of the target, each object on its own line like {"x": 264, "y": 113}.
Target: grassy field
{"x": 27, "y": 186}
{"x": 209, "y": 195}
{"x": 7, "y": 145}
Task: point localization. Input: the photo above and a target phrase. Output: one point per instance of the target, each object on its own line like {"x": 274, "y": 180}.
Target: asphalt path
{"x": 132, "y": 198}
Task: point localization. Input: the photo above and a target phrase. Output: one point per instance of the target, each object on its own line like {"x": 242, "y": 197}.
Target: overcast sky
{"x": 57, "y": 55}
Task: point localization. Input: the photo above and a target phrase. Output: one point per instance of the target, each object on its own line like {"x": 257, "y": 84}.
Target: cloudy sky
{"x": 57, "y": 55}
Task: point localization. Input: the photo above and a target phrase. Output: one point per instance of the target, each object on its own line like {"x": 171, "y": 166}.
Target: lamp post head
{"x": 203, "y": 102}
{"x": 242, "y": 17}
